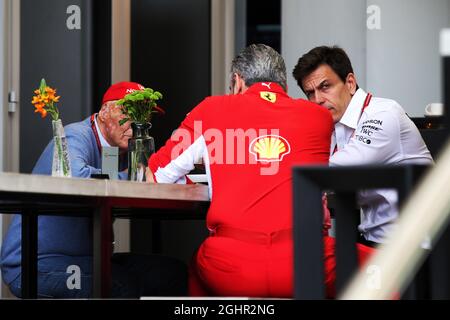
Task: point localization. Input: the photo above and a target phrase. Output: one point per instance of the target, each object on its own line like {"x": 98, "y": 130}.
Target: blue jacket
{"x": 58, "y": 236}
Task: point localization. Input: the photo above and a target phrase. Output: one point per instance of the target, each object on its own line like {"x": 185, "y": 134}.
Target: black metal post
{"x": 440, "y": 257}
{"x": 308, "y": 239}
{"x": 156, "y": 236}
{"x": 347, "y": 220}
{"x": 446, "y": 91}
{"x": 29, "y": 253}
{"x": 345, "y": 182}
{"x": 102, "y": 250}
{"x": 440, "y": 266}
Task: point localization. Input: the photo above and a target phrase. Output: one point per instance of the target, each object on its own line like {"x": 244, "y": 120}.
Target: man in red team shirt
{"x": 248, "y": 141}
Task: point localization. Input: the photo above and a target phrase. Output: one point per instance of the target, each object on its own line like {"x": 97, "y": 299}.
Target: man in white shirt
{"x": 368, "y": 130}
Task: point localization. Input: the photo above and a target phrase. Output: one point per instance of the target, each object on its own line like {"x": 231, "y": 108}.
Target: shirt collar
{"x": 353, "y": 112}
{"x": 266, "y": 86}
{"x": 103, "y": 141}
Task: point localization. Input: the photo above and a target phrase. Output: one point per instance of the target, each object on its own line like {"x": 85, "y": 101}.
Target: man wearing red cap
{"x": 67, "y": 241}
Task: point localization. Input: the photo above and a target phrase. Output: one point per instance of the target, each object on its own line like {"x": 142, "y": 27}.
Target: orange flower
{"x": 51, "y": 97}
{"x": 40, "y": 107}
{"x": 43, "y": 113}
{"x": 36, "y": 99}
{"x": 50, "y": 91}
{"x": 45, "y": 100}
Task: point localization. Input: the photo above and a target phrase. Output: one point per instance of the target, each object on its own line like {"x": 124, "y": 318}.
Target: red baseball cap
{"x": 119, "y": 90}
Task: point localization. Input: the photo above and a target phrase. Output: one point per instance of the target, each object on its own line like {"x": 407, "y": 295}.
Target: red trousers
{"x": 227, "y": 267}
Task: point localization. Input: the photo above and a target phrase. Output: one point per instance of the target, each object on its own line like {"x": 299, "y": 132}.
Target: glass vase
{"x": 61, "y": 162}
{"x": 140, "y": 147}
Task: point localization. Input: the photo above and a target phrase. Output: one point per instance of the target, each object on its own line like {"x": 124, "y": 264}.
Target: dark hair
{"x": 260, "y": 63}
{"x": 334, "y": 56}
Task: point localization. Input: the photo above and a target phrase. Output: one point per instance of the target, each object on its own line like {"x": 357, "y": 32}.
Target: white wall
{"x": 399, "y": 61}
{"x": 310, "y": 23}
{"x": 403, "y": 57}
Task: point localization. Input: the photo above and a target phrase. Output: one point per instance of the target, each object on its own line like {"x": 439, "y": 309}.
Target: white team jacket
{"x": 383, "y": 135}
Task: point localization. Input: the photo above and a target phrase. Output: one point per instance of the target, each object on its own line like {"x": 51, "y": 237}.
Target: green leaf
{"x": 138, "y": 106}
{"x": 42, "y": 86}
{"x": 123, "y": 121}
{"x": 147, "y": 95}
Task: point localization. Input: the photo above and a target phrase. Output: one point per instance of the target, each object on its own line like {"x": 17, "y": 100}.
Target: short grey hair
{"x": 260, "y": 63}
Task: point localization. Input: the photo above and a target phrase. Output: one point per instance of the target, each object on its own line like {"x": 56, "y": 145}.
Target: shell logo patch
{"x": 270, "y": 148}
{"x": 268, "y": 96}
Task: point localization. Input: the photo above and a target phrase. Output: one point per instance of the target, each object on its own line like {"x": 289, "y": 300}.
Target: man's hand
{"x": 149, "y": 176}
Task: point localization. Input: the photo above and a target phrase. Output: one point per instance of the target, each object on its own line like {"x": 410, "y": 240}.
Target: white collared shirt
{"x": 383, "y": 135}
{"x": 103, "y": 141}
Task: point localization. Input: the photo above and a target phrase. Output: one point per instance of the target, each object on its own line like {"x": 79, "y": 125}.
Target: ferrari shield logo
{"x": 268, "y": 96}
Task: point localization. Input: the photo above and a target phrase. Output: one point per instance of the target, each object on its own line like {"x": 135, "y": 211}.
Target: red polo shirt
{"x": 249, "y": 143}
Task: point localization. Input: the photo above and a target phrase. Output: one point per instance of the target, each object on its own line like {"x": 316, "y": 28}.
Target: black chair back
{"x": 308, "y": 185}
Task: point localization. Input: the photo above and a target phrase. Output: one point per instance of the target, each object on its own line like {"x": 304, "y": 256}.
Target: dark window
{"x": 264, "y": 22}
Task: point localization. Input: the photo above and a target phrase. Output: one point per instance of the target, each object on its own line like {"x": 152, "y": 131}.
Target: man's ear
{"x": 102, "y": 113}
{"x": 350, "y": 82}
{"x": 239, "y": 86}
{"x": 105, "y": 112}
